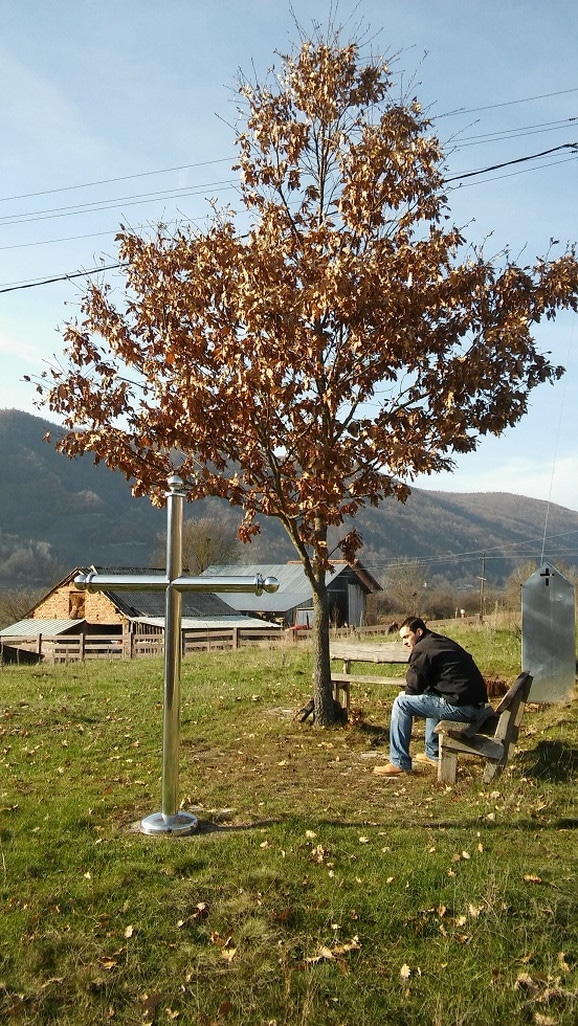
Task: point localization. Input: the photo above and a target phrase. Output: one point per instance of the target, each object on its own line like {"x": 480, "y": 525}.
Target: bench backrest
{"x": 511, "y": 709}
{"x": 365, "y": 652}
{"x": 519, "y": 691}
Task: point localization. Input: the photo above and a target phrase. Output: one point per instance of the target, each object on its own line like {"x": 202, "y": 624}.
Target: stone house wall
{"x": 70, "y": 602}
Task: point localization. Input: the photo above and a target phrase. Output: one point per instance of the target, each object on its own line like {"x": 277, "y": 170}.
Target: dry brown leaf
{"x": 228, "y": 954}
{"x": 221, "y": 940}
{"x": 525, "y": 982}
{"x": 526, "y": 958}
{"x": 563, "y": 963}
{"x": 150, "y": 1003}
{"x": 345, "y": 948}
{"x": 322, "y": 953}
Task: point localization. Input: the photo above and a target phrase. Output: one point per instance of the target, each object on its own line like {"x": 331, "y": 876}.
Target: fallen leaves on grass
{"x": 405, "y": 974}
{"x": 223, "y": 941}
{"x": 319, "y": 853}
{"x": 325, "y": 953}
{"x": 150, "y": 1003}
{"x": 108, "y": 963}
{"x": 544, "y": 990}
{"x": 563, "y": 963}
{"x": 200, "y": 911}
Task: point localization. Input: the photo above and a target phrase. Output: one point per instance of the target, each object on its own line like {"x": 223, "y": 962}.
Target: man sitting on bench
{"x": 442, "y": 683}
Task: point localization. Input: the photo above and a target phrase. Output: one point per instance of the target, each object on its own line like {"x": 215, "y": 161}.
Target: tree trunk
{"x": 322, "y": 691}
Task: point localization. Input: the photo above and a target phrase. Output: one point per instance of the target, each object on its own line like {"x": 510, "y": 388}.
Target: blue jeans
{"x": 433, "y": 708}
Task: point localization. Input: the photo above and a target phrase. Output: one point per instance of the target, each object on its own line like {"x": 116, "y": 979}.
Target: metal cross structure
{"x": 170, "y": 820}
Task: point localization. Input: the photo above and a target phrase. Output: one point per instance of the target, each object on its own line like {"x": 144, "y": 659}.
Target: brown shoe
{"x": 388, "y": 770}
{"x": 424, "y": 759}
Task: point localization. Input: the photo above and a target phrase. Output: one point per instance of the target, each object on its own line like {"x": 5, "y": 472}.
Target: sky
{"x": 124, "y": 112}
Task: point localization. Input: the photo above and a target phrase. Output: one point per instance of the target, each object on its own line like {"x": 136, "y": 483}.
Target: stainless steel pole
{"x": 171, "y": 729}
{"x": 169, "y": 820}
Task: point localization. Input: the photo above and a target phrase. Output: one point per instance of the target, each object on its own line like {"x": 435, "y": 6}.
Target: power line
{"x": 505, "y": 103}
{"x": 508, "y": 163}
{"x": 61, "y": 277}
{"x": 221, "y": 160}
{"x": 52, "y": 242}
{"x": 110, "y": 181}
{"x": 99, "y": 205}
{"x": 523, "y": 171}
{"x": 508, "y": 134}
{"x": 504, "y": 551}
{"x": 230, "y": 185}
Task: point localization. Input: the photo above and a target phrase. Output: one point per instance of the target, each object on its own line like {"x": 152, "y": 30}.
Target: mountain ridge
{"x": 57, "y": 513}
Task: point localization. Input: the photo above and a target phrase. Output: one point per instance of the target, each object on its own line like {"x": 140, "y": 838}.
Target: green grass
{"x": 312, "y": 893}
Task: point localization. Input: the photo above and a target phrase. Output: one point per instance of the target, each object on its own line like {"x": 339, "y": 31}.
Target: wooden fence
{"x": 77, "y": 647}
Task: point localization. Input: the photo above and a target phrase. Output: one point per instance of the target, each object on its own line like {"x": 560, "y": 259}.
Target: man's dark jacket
{"x": 440, "y": 665}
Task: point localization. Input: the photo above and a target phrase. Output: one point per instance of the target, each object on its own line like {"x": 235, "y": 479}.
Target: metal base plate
{"x": 182, "y": 823}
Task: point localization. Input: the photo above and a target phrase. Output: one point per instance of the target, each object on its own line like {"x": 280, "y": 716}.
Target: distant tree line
{"x": 28, "y": 568}
{"x": 407, "y": 592}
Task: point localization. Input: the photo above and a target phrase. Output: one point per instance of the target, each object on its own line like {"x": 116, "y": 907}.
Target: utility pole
{"x": 483, "y": 589}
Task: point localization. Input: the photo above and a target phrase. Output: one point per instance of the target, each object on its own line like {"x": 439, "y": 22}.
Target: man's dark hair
{"x": 415, "y": 623}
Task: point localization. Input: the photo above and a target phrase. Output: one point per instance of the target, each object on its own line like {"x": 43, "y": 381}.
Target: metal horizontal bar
{"x": 256, "y": 584}
{"x": 155, "y": 582}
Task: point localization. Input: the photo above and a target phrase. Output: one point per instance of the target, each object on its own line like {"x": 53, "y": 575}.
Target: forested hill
{"x": 57, "y": 513}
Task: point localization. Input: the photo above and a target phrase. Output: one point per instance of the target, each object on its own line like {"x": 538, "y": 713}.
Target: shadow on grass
{"x": 208, "y": 826}
{"x": 535, "y": 825}
{"x": 555, "y": 761}
{"x": 376, "y": 735}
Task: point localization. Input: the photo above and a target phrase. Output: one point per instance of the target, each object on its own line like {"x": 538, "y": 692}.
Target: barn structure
{"x": 117, "y": 618}
{"x": 292, "y": 605}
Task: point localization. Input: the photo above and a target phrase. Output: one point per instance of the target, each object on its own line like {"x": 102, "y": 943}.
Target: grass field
{"x": 313, "y": 892}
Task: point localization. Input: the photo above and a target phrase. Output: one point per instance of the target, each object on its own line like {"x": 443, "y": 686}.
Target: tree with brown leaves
{"x": 316, "y": 353}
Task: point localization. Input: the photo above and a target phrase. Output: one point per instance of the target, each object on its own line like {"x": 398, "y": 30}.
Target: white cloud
{"x": 555, "y": 481}
{"x": 42, "y": 122}
{"x": 20, "y": 351}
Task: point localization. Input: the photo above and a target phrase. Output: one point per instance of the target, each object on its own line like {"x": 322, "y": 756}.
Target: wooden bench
{"x": 350, "y": 652}
{"x": 490, "y": 736}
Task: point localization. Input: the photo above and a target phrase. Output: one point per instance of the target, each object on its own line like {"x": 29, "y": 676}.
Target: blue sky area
{"x": 124, "y": 111}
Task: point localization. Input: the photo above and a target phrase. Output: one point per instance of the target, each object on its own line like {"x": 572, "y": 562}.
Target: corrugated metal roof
{"x": 294, "y": 588}
{"x": 211, "y": 622}
{"x": 135, "y": 604}
{"x": 30, "y": 628}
